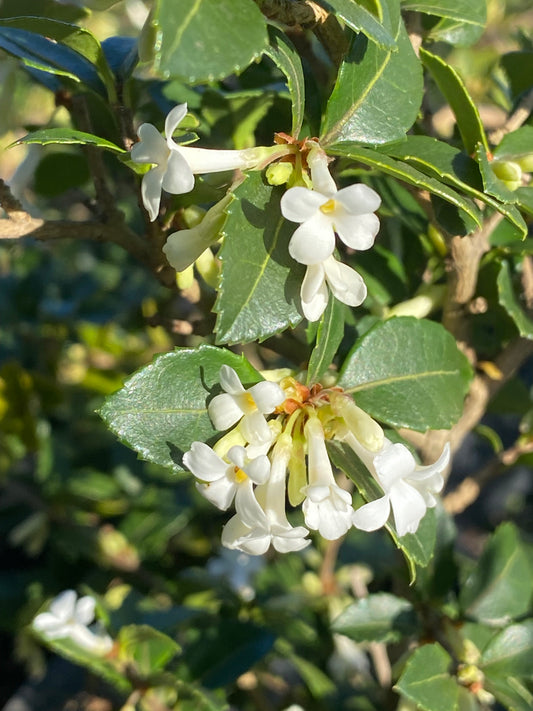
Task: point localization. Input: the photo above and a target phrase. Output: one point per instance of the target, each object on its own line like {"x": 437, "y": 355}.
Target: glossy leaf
{"x": 516, "y": 144}
{"x": 377, "y": 618}
{"x": 426, "y": 680}
{"x": 357, "y": 17}
{"x": 468, "y": 211}
{"x": 510, "y": 651}
{"x": 499, "y": 587}
{"x": 452, "y": 87}
{"x": 491, "y": 183}
{"x": 283, "y": 53}
{"x": 206, "y": 40}
{"x": 408, "y": 373}
{"x": 68, "y": 136}
{"x": 463, "y": 21}
{"x": 329, "y": 336}
{"x": 378, "y": 91}
{"x": 510, "y": 302}
{"x": 146, "y": 649}
{"x": 510, "y": 691}
{"x": 162, "y": 408}
{"x": 260, "y": 283}
{"x": 418, "y": 547}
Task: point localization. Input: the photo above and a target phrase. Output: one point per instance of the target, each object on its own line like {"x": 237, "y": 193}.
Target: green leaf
{"x": 509, "y": 691}
{"x": 524, "y": 198}
{"x": 67, "y": 136}
{"x": 260, "y": 283}
{"x": 491, "y": 183}
{"x": 463, "y": 21}
{"x": 377, "y": 618}
{"x": 77, "y": 38}
{"x": 329, "y": 336}
{"x": 162, "y": 408}
{"x": 360, "y": 19}
{"x": 517, "y": 144}
{"x": 426, "y": 681}
{"x": 283, "y": 53}
{"x": 509, "y": 652}
{"x": 461, "y": 103}
{"x": 47, "y": 8}
{"x": 499, "y": 587}
{"x": 408, "y": 372}
{"x": 508, "y": 299}
{"x": 206, "y": 40}
{"x": 518, "y": 67}
{"x": 444, "y": 162}
{"x": 59, "y": 172}
{"x": 402, "y": 171}
{"x": 378, "y": 91}
{"x": 49, "y": 56}
{"x": 146, "y": 649}
{"x": 418, "y": 547}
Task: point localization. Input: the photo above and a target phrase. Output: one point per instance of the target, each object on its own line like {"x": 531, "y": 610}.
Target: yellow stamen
{"x": 328, "y": 206}
{"x": 240, "y": 475}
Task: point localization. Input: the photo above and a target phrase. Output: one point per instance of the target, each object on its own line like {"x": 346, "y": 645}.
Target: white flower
{"x": 327, "y": 508}
{"x": 257, "y": 526}
{"x": 347, "y": 212}
{"x": 409, "y": 488}
{"x": 238, "y": 569}
{"x": 250, "y": 406}
{"x": 69, "y": 618}
{"x": 345, "y": 283}
{"x": 220, "y": 481}
{"x": 175, "y": 165}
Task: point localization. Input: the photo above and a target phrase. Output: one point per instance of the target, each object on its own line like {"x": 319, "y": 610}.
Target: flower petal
{"x": 233, "y": 531}
{"x": 48, "y": 624}
{"x": 178, "y": 178}
{"x": 357, "y": 232}
{"x": 224, "y": 411}
{"x": 230, "y": 381}
{"x": 358, "y": 199}
{"x": 220, "y": 492}
{"x": 290, "y": 543}
{"x": 346, "y": 284}
{"x": 300, "y": 204}
{"x": 255, "y": 428}
{"x": 172, "y": 121}
{"x": 408, "y": 507}
{"x": 84, "y": 613}
{"x": 204, "y": 463}
{"x": 321, "y": 178}
{"x": 151, "y": 191}
{"x": 63, "y": 605}
{"x": 151, "y": 148}
{"x": 258, "y": 469}
{"x": 267, "y": 396}
{"x": 373, "y": 515}
{"x": 248, "y": 508}
{"x": 393, "y": 463}
{"x": 94, "y": 643}
{"x": 422, "y": 473}
{"x": 313, "y": 241}
{"x": 314, "y": 292}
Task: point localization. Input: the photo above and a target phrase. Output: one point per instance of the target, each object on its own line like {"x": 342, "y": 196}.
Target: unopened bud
{"x": 526, "y": 163}
{"x": 508, "y": 172}
{"x": 279, "y": 173}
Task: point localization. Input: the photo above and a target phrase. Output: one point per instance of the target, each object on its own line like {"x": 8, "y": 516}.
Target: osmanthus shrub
{"x": 278, "y": 163}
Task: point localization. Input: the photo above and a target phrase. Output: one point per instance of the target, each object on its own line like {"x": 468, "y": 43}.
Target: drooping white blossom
{"x": 175, "y": 165}
{"x": 345, "y": 283}
{"x": 327, "y": 508}
{"x": 70, "y": 617}
{"x": 247, "y": 406}
{"x": 222, "y": 481}
{"x": 409, "y": 488}
{"x": 256, "y": 526}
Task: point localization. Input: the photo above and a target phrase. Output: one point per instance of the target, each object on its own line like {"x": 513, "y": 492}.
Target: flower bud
{"x": 508, "y": 172}
{"x": 279, "y": 173}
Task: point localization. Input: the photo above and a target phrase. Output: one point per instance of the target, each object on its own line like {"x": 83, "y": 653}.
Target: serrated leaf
{"x": 360, "y": 19}
{"x": 146, "y": 649}
{"x": 463, "y": 21}
{"x": 454, "y": 91}
{"x": 162, "y": 408}
{"x": 408, "y": 372}
{"x": 378, "y": 91}
{"x": 260, "y": 283}
{"x": 426, "y": 681}
{"x": 206, "y": 40}
{"x": 508, "y": 299}
{"x": 402, "y": 171}
{"x": 377, "y": 618}
{"x": 329, "y": 336}
{"x": 47, "y": 55}
{"x": 418, "y": 547}
{"x": 283, "y": 53}
{"x": 77, "y": 38}
{"x": 491, "y": 183}
{"x": 68, "y": 136}
{"x": 499, "y": 587}
{"x": 444, "y": 162}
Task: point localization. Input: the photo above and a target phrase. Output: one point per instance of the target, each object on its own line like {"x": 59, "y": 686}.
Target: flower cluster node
{"x": 276, "y": 445}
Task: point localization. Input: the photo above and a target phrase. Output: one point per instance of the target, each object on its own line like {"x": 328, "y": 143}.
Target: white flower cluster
{"x": 248, "y": 466}
{"x": 69, "y": 618}
{"x": 321, "y": 212}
